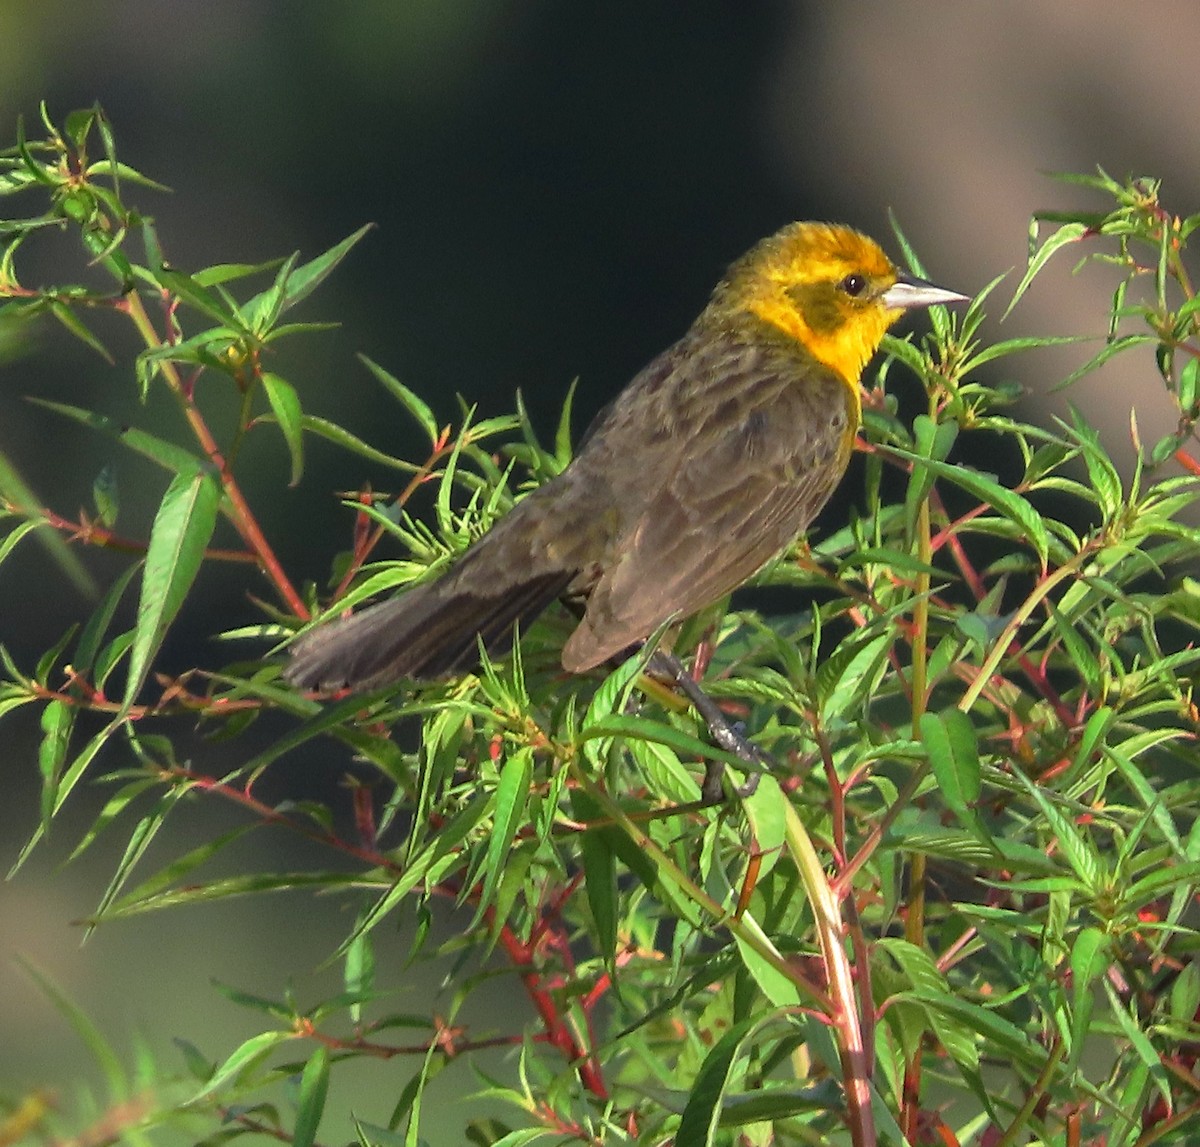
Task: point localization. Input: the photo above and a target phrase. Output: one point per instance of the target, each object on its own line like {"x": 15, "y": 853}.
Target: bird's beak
{"x": 908, "y": 291}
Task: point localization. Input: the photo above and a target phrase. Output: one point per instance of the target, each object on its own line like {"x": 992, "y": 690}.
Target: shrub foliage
{"x": 958, "y": 909}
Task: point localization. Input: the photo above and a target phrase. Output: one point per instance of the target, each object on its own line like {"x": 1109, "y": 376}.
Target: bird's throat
{"x": 846, "y": 349}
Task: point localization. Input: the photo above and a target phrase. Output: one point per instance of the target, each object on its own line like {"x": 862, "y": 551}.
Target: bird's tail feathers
{"x": 428, "y": 632}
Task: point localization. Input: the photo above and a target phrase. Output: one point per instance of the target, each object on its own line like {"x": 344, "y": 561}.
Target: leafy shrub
{"x": 957, "y": 910}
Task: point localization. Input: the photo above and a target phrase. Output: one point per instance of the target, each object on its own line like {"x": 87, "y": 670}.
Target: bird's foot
{"x": 725, "y": 733}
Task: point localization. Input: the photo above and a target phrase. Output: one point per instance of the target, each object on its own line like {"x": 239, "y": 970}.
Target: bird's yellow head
{"x": 829, "y": 287}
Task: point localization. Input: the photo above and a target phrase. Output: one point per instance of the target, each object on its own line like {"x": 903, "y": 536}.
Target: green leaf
{"x": 933, "y": 440}
{"x": 75, "y": 325}
{"x": 1003, "y": 1035}
{"x": 1122, "y": 1012}
{"x": 314, "y": 1087}
{"x": 359, "y": 974}
{"x": 309, "y": 276}
{"x": 74, "y": 772}
{"x": 665, "y": 773}
{"x": 1083, "y": 660}
{"x": 15, "y": 536}
{"x": 443, "y": 505}
{"x": 845, "y": 676}
{"x": 420, "y": 864}
{"x": 40, "y": 172}
{"x": 950, "y": 739}
{"x": 158, "y": 450}
{"x": 261, "y": 312}
{"x": 1011, "y": 505}
{"x": 562, "y": 435}
{"x": 101, "y": 1052}
{"x": 1067, "y": 234}
{"x": 229, "y": 272}
{"x": 777, "y": 1103}
{"x": 774, "y": 985}
{"x": 244, "y": 1058}
{"x": 14, "y": 490}
{"x": 902, "y": 350}
{"x": 113, "y": 807}
{"x": 1094, "y": 732}
{"x": 415, "y": 406}
{"x": 951, "y": 843}
{"x": 1089, "y": 959}
{"x": 1185, "y": 994}
{"x": 179, "y": 536}
{"x": 1105, "y": 480}
{"x": 1109, "y": 350}
{"x": 285, "y": 403}
{"x": 58, "y": 721}
{"x": 332, "y": 432}
{"x": 106, "y": 496}
{"x": 201, "y": 298}
{"x": 198, "y": 1067}
{"x": 1014, "y": 346}
{"x": 1079, "y": 852}
{"x": 140, "y": 839}
{"x": 88, "y": 646}
{"x": 207, "y": 892}
{"x": 890, "y": 558}
{"x": 916, "y": 964}
{"x": 600, "y": 874}
{"x": 765, "y": 815}
{"x": 646, "y": 729}
{"x": 49, "y": 659}
{"x": 372, "y": 1135}
{"x": 1189, "y": 385}
{"x": 512, "y": 796}
{"x": 702, "y": 1115}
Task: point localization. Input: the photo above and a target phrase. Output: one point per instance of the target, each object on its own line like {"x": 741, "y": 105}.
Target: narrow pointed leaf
{"x": 1064, "y": 236}
{"x": 334, "y": 433}
{"x": 600, "y": 875}
{"x": 702, "y": 1115}
{"x": 950, "y": 740}
{"x": 78, "y": 328}
{"x": 1004, "y": 501}
{"x": 14, "y": 490}
{"x": 308, "y": 276}
{"x": 314, "y": 1087}
{"x": 243, "y": 1058}
{"x": 512, "y": 795}
{"x": 285, "y": 403}
{"x": 158, "y": 450}
{"x": 181, "y": 532}
{"x": 416, "y": 406}
{"x": 101, "y": 1051}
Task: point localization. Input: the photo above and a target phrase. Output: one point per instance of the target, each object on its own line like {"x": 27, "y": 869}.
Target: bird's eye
{"x": 853, "y": 285}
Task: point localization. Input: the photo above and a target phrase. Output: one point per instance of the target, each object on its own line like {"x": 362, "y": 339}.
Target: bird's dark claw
{"x": 727, "y": 735}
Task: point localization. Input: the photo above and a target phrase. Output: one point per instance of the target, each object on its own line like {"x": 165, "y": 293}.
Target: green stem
{"x": 914, "y": 920}
{"x": 1034, "y": 1096}
{"x": 856, "y": 1066}
{"x": 992, "y": 661}
{"x": 745, "y": 927}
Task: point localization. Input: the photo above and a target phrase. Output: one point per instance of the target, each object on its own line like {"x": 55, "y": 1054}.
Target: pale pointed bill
{"x": 908, "y": 291}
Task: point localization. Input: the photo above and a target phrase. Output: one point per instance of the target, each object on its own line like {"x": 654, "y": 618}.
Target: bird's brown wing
{"x": 754, "y": 456}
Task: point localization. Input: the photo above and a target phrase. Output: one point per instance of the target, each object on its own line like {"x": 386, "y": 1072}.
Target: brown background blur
{"x": 557, "y": 187}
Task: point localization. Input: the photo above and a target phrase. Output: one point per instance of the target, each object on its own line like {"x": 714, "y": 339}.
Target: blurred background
{"x": 556, "y": 187}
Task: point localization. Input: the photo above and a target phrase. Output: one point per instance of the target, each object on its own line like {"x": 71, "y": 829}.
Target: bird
{"x": 708, "y": 464}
